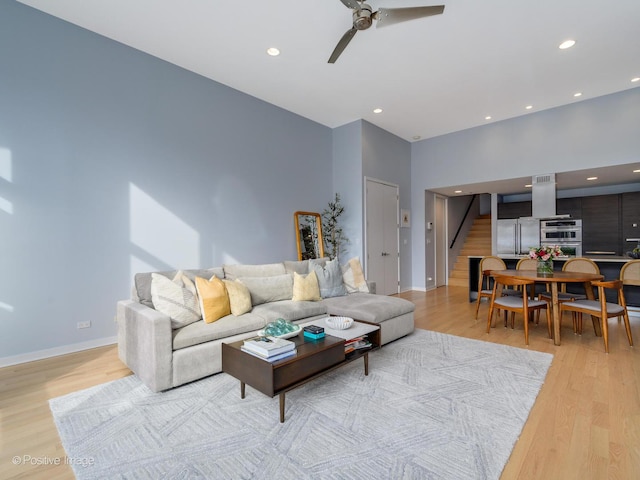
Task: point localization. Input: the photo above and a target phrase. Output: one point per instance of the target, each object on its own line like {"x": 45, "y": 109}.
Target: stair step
{"x": 477, "y": 243}
{"x": 458, "y": 282}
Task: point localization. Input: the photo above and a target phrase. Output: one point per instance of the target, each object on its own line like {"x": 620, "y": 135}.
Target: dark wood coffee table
{"x": 314, "y": 359}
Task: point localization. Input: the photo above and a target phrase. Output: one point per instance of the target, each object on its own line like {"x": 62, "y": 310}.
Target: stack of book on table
{"x": 358, "y": 343}
{"x": 269, "y": 348}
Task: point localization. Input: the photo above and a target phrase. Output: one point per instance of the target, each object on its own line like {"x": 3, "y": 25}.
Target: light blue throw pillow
{"x": 330, "y": 279}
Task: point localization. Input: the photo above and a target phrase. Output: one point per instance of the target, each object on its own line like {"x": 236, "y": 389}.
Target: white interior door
{"x": 382, "y": 243}
{"x": 441, "y": 241}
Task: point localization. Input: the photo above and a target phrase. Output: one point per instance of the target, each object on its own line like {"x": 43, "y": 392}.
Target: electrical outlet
{"x": 86, "y": 324}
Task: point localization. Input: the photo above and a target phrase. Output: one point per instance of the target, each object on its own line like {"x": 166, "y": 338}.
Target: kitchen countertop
{"x": 595, "y": 258}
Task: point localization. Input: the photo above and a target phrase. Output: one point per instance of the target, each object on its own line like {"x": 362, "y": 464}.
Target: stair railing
{"x": 466, "y": 214}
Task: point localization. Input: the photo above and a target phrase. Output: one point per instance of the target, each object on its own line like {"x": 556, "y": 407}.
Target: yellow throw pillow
{"x": 305, "y": 288}
{"x": 214, "y": 301}
{"x": 239, "y": 297}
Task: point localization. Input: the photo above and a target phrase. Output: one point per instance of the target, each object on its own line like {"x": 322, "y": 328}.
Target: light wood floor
{"x": 585, "y": 423}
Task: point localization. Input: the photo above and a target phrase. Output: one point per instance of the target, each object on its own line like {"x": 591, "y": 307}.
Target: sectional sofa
{"x": 165, "y": 355}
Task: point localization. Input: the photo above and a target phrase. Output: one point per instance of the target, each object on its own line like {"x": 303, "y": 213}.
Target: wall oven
{"x": 566, "y": 233}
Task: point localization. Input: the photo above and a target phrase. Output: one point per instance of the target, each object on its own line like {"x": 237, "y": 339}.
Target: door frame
{"x": 442, "y": 224}
{"x": 366, "y": 221}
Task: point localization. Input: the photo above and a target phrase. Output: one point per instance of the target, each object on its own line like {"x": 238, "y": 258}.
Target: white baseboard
{"x": 417, "y": 289}
{"x": 54, "y": 352}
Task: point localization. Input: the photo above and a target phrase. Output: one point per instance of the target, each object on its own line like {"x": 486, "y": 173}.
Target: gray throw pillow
{"x": 329, "y": 279}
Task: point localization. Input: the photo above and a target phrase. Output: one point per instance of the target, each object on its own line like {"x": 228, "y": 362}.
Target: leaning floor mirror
{"x": 308, "y": 235}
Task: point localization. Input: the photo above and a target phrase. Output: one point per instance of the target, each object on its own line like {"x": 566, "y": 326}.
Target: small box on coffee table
{"x": 313, "y": 332}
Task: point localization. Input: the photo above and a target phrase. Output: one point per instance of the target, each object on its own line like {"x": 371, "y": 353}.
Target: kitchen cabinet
{"x": 514, "y": 210}
{"x": 569, "y": 206}
{"x": 630, "y": 217}
{"x": 607, "y": 220}
{"x": 601, "y": 225}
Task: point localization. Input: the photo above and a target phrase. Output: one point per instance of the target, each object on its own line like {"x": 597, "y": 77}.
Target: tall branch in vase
{"x": 334, "y": 237}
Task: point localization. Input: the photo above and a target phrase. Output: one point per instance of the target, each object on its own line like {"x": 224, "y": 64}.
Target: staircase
{"x": 478, "y": 242}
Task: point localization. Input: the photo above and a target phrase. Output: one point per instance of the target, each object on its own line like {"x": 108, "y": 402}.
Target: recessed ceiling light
{"x": 566, "y": 44}
{"x": 273, "y": 51}
{"x": 528, "y": 186}
{"x": 488, "y": 117}
{"x": 592, "y": 178}
{"x": 635, "y": 79}
{"x": 577, "y": 94}
{"x": 377, "y": 110}
{"x": 458, "y": 191}
{"x": 416, "y": 137}
{"x": 529, "y": 107}
{"x": 636, "y": 171}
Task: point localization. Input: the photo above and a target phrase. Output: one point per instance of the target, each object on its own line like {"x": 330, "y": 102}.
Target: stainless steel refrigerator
{"x": 518, "y": 235}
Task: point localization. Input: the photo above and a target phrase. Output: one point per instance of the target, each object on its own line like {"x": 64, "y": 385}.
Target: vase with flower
{"x": 545, "y": 255}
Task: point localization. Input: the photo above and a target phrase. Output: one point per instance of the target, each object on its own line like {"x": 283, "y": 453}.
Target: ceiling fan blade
{"x": 342, "y": 44}
{"x": 389, "y": 16}
{"x": 351, "y": 4}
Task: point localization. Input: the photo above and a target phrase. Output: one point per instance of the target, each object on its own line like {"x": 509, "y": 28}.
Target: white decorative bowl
{"x": 339, "y": 323}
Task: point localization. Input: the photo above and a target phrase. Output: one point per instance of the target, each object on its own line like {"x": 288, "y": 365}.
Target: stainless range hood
{"x": 543, "y": 194}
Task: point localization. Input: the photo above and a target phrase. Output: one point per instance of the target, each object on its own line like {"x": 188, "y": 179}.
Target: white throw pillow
{"x": 176, "y": 298}
{"x": 353, "y": 277}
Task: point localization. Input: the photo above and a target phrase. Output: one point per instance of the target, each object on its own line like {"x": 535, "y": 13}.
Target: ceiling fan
{"x": 363, "y": 17}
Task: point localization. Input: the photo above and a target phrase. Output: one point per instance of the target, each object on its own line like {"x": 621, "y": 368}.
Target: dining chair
{"x": 528, "y": 263}
{"x": 578, "y": 264}
{"x": 487, "y": 264}
{"x": 510, "y": 303}
{"x": 602, "y": 309}
{"x": 630, "y": 273}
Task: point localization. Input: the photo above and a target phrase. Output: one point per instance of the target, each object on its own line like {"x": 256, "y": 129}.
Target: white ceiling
{"x": 430, "y": 76}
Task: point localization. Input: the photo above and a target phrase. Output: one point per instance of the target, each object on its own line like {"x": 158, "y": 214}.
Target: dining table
{"x": 553, "y": 280}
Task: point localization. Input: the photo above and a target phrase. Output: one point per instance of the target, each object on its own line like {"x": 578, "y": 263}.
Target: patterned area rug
{"x": 433, "y": 406}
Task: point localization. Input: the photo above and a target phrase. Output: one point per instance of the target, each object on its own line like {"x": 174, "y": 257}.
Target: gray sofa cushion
{"x": 268, "y": 289}
{"x": 289, "y": 310}
{"x": 368, "y": 307}
{"x": 301, "y": 267}
{"x": 201, "y": 332}
{"x": 142, "y": 281}
{"x": 232, "y": 272}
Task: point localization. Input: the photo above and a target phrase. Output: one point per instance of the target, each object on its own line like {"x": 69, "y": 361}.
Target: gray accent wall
{"x": 114, "y": 162}
{"x": 591, "y": 133}
{"x": 362, "y": 150}
{"x": 347, "y": 181}
{"x": 387, "y": 157}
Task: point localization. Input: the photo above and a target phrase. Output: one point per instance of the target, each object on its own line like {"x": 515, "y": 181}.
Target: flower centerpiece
{"x": 545, "y": 256}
